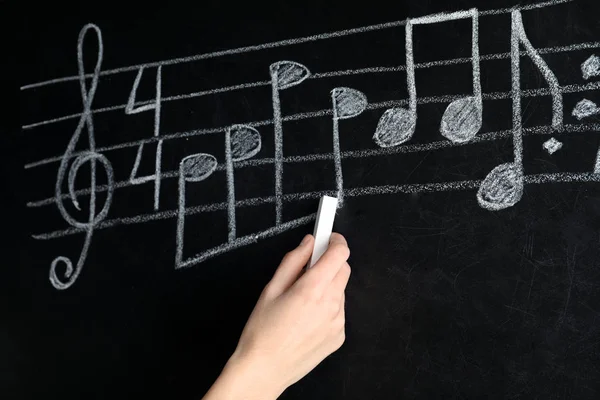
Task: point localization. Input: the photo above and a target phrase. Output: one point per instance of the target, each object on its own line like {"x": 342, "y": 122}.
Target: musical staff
{"x": 461, "y": 125}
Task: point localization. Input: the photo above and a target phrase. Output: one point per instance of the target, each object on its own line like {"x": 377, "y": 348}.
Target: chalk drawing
{"x": 322, "y": 75}
{"x": 378, "y": 152}
{"x": 241, "y": 143}
{"x": 284, "y": 75}
{"x": 503, "y": 186}
{"x": 585, "y": 108}
{"x": 347, "y": 103}
{"x": 552, "y": 145}
{"x": 463, "y": 117}
{"x": 194, "y": 168}
{"x": 460, "y": 125}
{"x": 591, "y": 67}
{"x": 91, "y": 156}
{"x": 156, "y": 107}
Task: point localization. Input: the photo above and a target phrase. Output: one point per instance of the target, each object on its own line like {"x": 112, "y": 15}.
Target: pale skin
{"x": 297, "y": 322}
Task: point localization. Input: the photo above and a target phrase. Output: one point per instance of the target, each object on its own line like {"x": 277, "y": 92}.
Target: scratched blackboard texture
{"x": 446, "y": 300}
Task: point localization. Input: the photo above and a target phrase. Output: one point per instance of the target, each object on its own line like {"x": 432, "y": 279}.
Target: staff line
{"x": 294, "y": 197}
{"x": 415, "y": 148}
{"x": 320, "y": 113}
{"x": 280, "y": 43}
{"x": 322, "y": 75}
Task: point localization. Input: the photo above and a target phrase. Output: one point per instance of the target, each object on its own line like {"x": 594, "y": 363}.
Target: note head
{"x": 288, "y": 74}
{"x": 197, "y": 167}
{"x": 462, "y": 120}
{"x": 396, "y": 126}
{"x": 502, "y": 187}
{"x": 245, "y": 142}
{"x": 348, "y": 102}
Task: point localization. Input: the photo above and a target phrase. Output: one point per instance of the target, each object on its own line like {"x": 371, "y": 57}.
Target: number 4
{"x": 133, "y": 108}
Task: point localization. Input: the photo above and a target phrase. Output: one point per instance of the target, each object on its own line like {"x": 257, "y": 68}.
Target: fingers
{"x": 325, "y": 270}
{"x": 291, "y": 266}
{"x": 338, "y": 285}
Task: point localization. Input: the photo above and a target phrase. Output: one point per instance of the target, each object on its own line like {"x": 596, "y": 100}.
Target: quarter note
{"x": 241, "y": 143}
{"x": 503, "y": 186}
{"x": 194, "y": 168}
{"x": 463, "y": 117}
{"x": 347, "y": 103}
{"x": 284, "y": 75}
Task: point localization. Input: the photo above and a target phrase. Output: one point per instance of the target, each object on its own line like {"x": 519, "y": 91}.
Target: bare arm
{"x": 298, "y": 320}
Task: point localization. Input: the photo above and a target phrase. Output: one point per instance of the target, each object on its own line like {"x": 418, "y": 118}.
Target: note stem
{"x": 180, "y": 217}
{"x": 410, "y": 71}
{"x": 277, "y": 124}
{"x": 339, "y": 180}
{"x": 476, "y": 63}
{"x": 158, "y": 157}
{"x": 516, "y": 92}
{"x": 230, "y": 187}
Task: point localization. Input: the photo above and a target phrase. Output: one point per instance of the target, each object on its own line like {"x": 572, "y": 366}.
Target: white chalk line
{"x": 322, "y": 113}
{"x": 323, "y": 75}
{"x": 246, "y": 240}
{"x": 280, "y": 43}
{"x": 350, "y": 192}
{"x": 404, "y": 149}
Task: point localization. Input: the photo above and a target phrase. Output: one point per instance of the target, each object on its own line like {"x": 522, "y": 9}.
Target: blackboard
{"x": 467, "y": 161}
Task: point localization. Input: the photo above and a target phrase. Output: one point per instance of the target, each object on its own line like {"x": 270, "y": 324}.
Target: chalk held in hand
{"x": 323, "y": 227}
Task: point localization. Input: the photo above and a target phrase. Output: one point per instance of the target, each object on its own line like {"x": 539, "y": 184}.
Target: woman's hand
{"x": 298, "y": 321}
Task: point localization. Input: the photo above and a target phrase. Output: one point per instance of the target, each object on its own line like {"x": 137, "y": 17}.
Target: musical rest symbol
{"x": 284, "y": 75}
{"x": 241, "y": 143}
{"x": 91, "y": 156}
{"x": 347, "y": 103}
{"x": 503, "y": 186}
{"x": 194, "y": 168}
{"x": 462, "y": 119}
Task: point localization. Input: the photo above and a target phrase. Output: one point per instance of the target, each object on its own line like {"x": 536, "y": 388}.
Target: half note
{"x": 194, "y": 168}
{"x": 241, "y": 143}
{"x": 284, "y": 75}
{"x": 503, "y": 186}
{"x": 347, "y": 103}
{"x": 462, "y": 119}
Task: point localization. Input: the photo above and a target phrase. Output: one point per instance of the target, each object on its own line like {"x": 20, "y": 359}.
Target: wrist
{"x": 247, "y": 378}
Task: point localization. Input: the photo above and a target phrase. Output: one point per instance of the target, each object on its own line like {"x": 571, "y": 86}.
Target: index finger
{"x": 322, "y": 273}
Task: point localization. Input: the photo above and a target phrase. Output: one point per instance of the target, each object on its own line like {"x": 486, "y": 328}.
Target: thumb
{"x": 291, "y": 266}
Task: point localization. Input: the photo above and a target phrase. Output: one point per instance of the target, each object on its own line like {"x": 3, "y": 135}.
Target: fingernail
{"x": 305, "y": 240}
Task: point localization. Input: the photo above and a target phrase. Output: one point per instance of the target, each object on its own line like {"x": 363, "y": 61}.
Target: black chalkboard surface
{"x": 167, "y": 156}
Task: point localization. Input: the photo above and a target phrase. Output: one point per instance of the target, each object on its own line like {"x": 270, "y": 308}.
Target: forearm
{"x": 243, "y": 379}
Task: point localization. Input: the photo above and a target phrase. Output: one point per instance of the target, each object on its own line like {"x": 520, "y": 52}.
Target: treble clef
{"x": 87, "y": 97}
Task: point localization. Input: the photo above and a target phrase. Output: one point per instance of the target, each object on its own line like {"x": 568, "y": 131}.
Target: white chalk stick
{"x": 323, "y": 227}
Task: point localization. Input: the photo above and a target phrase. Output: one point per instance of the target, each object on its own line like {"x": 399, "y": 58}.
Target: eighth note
{"x": 284, "y": 75}
{"x": 241, "y": 143}
{"x": 463, "y": 117}
{"x": 503, "y": 186}
{"x": 347, "y": 103}
{"x": 194, "y": 168}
